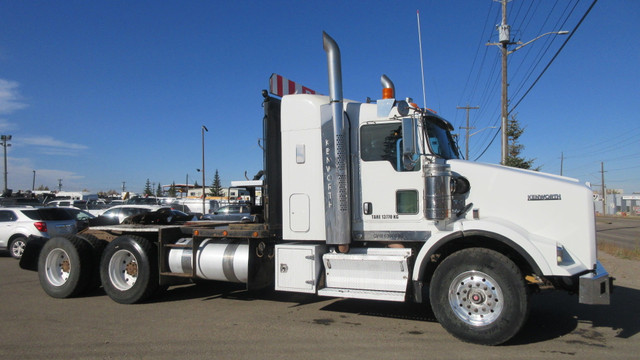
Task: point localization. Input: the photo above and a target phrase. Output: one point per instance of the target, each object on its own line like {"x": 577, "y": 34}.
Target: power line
{"x": 555, "y": 56}
{"x": 543, "y": 71}
{"x": 543, "y": 50}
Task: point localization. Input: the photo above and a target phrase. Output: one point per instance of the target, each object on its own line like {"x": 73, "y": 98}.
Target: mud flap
{"x": 29, "y": 259}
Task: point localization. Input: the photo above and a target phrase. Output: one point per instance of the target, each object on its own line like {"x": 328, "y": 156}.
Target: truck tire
{"x": 479, "y": 296}
{"x": 129, "y": 269}
{"x": 64, "y": 266}
{"x": 16, "y": 246}
{"x": 97, "y": 247}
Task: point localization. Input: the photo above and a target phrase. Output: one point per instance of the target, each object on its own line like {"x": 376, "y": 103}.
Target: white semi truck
{"x": 362, "y": 200}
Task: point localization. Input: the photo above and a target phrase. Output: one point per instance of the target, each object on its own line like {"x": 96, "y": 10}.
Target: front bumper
{"x": 596, "y": 287}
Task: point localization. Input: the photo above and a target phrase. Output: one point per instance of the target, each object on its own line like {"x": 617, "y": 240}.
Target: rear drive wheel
{"x": 129, "y": 270}
{"x": 479, "y": 296}
{"x": 64, "y": 266}
{"x": 16, "y": 246}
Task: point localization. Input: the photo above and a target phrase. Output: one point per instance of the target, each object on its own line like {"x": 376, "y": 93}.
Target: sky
{"x": 103, "y": 95}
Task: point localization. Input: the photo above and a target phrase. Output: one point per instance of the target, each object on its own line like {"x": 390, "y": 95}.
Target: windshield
{"x": 439, "y": 138}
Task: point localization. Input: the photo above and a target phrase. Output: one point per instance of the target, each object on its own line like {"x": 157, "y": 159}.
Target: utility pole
{"x": 59, "y": 185}
{"x": 561, "y": 162}
{"x": 467, "y": 128}
{"x": 4, "y": 139}
{"x": 504, "y": 40}
{"x": 505, "y": 35}
{"x": 604, "y": 195}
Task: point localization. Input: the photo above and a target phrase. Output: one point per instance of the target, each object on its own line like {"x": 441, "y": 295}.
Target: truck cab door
{"x": 391, "y": 185}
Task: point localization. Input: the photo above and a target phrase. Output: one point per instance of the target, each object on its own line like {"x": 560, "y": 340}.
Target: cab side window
{"x": 382, "y": 142}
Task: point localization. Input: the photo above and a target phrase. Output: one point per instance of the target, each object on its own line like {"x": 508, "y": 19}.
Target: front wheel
{"x": 129, "y": 270}
{"x": 479, "y": 296}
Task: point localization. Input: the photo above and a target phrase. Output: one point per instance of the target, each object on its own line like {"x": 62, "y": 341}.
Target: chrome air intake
{"x": 335, "y": 152}
{"x": 438, "y": 195}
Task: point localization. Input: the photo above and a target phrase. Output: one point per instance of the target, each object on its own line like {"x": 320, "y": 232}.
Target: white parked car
{"x": 80, "y": 204}
{"x": 17, "y": 224}
{"x": 121, "y": 212}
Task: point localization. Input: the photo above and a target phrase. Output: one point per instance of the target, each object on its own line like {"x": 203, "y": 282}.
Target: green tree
{"x": 159, "y": 190}
{"x": 147, "y": 189}
{"x": 216, "y": 186}
{"x": 514, "y": 158}
{"x": 172, "y": 190}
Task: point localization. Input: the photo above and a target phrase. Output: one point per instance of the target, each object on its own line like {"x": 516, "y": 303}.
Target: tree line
{"x": 214, "y": 190}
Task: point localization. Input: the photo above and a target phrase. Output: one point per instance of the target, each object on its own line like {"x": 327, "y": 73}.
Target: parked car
{"x": 194, "y": 206}
{"x": 136, "y": 200}
{"x": 80, "y": 204}
{"x": 116, "y": 214}
{"x": 82, "y": 217}
{"x": 18, "y": 223}
{"x": 231, "y": 213}
{"x": 162, "y": 216}
{"x": 18, "y": 201}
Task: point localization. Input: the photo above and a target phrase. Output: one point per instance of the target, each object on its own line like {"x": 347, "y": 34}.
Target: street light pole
{"x": 4, "y": 139}
{"x": 33, "y": 185}
{"x": 204, "y": 195}
{"x": 504, "y": 41}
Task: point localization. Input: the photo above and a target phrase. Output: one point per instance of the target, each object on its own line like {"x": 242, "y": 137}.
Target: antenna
{"x": 424, "y": 94}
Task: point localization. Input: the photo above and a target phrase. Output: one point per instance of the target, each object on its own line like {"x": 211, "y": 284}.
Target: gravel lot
{"x": 224, "y": 322}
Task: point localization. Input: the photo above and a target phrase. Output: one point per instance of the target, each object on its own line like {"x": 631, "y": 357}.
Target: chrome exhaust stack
{"x": 388, "y": 84}
{"x": 335, "y": 152}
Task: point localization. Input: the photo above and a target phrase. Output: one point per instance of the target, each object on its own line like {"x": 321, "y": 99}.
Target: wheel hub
{"x": 123, "y": 270}
{"x": 132, "y": 269}
{"x": 65, "y": 266}
{"x": 476, "y": 298}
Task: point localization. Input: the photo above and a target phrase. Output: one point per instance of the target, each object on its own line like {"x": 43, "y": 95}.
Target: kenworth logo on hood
{"x": 542, "y": 197}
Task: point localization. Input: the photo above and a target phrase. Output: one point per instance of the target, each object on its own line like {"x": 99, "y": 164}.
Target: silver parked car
{"x": 17, "y": 224}
{"x": 238, "y": 212}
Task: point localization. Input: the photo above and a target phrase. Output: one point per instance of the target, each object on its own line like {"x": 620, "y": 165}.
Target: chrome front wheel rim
{"x": 476, "y": 298}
